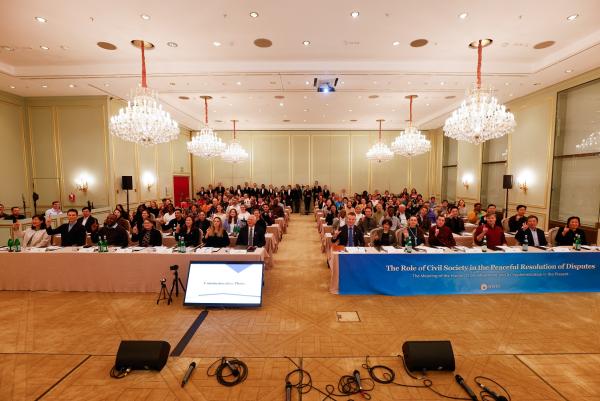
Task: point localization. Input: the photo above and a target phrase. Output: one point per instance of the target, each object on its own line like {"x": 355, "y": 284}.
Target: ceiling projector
{"x": 325, "y": 85}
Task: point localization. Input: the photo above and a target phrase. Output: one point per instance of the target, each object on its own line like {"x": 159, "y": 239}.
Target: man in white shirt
{"x": 55, "y": 211}
{"x": 402, "y": 215}
{"x": 243, "y": 215}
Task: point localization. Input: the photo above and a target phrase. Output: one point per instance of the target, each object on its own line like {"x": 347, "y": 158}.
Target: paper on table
{"x": 87, "y": 250}
{"x": 206, "y": 249}
{"x": 561, "y": 249}
{"x": 356, "y": 249}
{"x": 162, "y": 249}
{"x": 510, "y": 249}
{"x": 429, "y": 249}
{"x": 473, "y": 250}
{"x": 391, "y": 249}
{"x": 238, "y": 252}
{"x": 123, "y": 250}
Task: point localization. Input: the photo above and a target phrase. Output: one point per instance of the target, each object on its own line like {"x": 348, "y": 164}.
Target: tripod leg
{"x": 170, "y": 299}
{"x": 181, "y": 284}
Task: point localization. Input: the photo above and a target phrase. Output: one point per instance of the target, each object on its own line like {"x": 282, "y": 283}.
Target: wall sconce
{"x": 523, "y": 179}
{"x": 81, "y": 183}
{"x": 148, "y": 180}
{"x": 467, "y": 180}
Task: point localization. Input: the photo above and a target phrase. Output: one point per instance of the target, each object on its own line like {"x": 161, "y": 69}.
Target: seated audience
{"x": 340, "y": 220}
{"x": 3, "y": 214}
{"x": 122, "y": 219}
{"x": 232, "y": 222}
{"x": 148, "y": 235}
{"x": 476, "y": 214}
{"x": 54, "y": 210}
{"x": 462, "y": 208}
{"x": 379, "y": 213}
{"x": 202, "y": 222}
{"x": 114, "y": 233}
{"x": 518, "y": 220}
{"x": 216, "y": 237}
{"x": 535, "y": 236}
{"x": 441, "y": 234}
{"x": 385, "y": 236}
{"x": 71, "y": 233}
{"x": 178, "y": 220}
{"x": 251, "y": 234}
{"x": 266, "y": 215}
{"x": 566, "y": 236}
{"x": 423, "y": 218}
{"x": 390, "y": 215}
{"x": 190, "y": 234}
{"x": 330, "y": 215}
{"x": 350, "y": 234}
{"x": 491, "y": 209}
{"x": 259, "y": 220}
{"x": 138, "y": 222}
{"x": 494, "y": 233}
{"x": 86, "y": 220}
{"x": 368, "y": 222}
{"x": 454, "y": 222}
{"x": 34, "y": 236}
{"x": 243, "y": 215}
{"x": 15, "y": 214}
{"x": 414, "y": 232}
{"x": 402, "y": 215}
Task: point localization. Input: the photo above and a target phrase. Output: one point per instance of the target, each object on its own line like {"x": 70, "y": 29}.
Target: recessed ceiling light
{"x": 396, "y": 43}
{"x": 254, "y": 14}
{"x": 506, "y": 83}
{"x": 426, "y": 104}
{"x": 145, "y": 17}
{"x": 305, "y": 97}
{"x": 306, "y": 43}
{"x": 306, "y": 83}
{"x": 281, "y": 104}
{"x": 12, "y": 87}
{"x": 106, "y": 46}
{"x": 304, "y": 120}
{"x": 238, "y": 83}
{"x": 305, "y": 110}
{"x": 510, "y": 94}
{"x": 107, "y": 84}
{"x": 72, "y": 86}
{"x": 572, "y": 17}
{"x": 350, "y": 111}
{"x": 408, "y": 83}
{"x": 216, "y": 44}
{"x": 41, "y": 19}
{"x": 463, "y": 15}
{"x": 172, "y": 44}
{"x": 44, "y": 48}
{"x": 442, "y": 83}
{"x": 44, "y": 86}
{"x": 354, "y": 14}
{"x": 568, "y": 71}
{"x": 7, "y": 48}
{"x": 419, "y": 42}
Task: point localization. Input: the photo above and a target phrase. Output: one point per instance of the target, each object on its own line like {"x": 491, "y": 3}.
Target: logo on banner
{"x": 483, "y": 287}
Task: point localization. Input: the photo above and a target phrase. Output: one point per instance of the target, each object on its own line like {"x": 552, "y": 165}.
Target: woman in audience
{"x": 148, "y": 235}
{"x": 216, "y": 237}
{"x": 219, "y": 212}
{"x": 244, "y": 214}
{"x": 34, "y": 236}
{"x": 441, "y": 234}
{"x": 414, "y": 232}
{"x": 121, "y": 209}
{"x": 189, "y": 232}
{"x": 153, "y": 209}
{"x": 462, "y": 208}
{"x": 121, "y": 219}
{"x": 566, "y": 235}
{"x": 385, "y": 236}
{"x": 232, "y": 221}
{"x": 330, "y": 214}
{"x": 138, "y": 223}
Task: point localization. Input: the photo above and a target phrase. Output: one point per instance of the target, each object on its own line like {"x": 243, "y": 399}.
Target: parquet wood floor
{"x": 540, "y": 346}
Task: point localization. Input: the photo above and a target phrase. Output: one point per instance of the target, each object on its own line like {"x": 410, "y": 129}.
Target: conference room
{"x": 300, "y": 200}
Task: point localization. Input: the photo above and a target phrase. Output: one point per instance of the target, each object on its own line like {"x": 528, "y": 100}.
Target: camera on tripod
{"x": 168, "y": 296}
{"x": 174, "y": 267}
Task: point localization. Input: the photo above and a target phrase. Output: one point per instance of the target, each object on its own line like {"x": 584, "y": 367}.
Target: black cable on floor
{"x": 228, "y": 371}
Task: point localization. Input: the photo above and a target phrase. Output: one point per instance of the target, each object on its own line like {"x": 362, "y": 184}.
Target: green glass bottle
{"x": 10, "y": 245}
{"x": 17, "y": 245}
{"x": 484, "y": 244}
{"x": 525, "y": 244}
{"x": 577, "y": 243}
{"x": 181, "y": 245}
{"x": 408, "y": 248}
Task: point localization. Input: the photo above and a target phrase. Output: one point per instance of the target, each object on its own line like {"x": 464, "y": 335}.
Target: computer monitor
{"x": 224, "y": 284}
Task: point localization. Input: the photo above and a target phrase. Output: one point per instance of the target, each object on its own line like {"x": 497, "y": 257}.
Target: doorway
{"x": 181, "y": 189}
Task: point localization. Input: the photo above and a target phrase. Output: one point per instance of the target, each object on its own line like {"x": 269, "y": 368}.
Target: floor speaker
{"x": 146, "y": 355}
{"x": 428, "y": 355}
{"x": 127, "y": 182}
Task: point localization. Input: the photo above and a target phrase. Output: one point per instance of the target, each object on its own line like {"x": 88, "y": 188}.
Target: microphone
{"x": 495, "y": 396}
{"x": 288, "y": 391}
{"x": 465, "y": 387}
{"x": 188, "y": 373}
{"x": 234, "y": 371}
{"x": 356, "y": 375}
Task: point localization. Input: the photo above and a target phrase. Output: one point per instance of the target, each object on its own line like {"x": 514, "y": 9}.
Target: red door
{"x": 181, "y": 189}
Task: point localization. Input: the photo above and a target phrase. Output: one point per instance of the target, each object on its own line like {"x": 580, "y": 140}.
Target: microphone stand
{"x": 24, "y": 205}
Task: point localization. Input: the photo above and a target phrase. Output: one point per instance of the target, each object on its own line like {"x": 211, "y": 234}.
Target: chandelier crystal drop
{"x": 234, "y": 153}
{"x": 411, "y": 142}
{"x": 144, "y": 121}
{"x": 206, "y": 143}
{"x": 380, "y": 152}
{"x": 480, "y": 117}
{"x": 590, "y": 144}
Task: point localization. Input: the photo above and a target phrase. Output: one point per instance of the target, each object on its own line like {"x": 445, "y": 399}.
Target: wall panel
{"x": 320, "y": 154}
{"x": 300, "y": 150}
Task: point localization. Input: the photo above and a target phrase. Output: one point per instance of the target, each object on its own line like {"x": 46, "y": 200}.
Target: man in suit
{"x": 535, "y": 236}
{"x": 71, "y": 233}
{"x": 86, "y": 220}
{"x": 266, "y": 215}
{"x": 307, "y": 196}
{"x": 316, "y": 190}
{"x": 296, "y": 198}
{"x": 518, "y": 220}
{"x": 454, "y": 222}
{"x": 251, "y": 234}
{"x": 115, "y": 234}
{"x": 326, "y": 192}
{"x": 350, "y": 234}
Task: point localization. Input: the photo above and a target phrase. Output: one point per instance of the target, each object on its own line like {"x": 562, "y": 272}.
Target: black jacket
{"x": 342, "y": 238}
{"x": 69, "y": 238}
{"x": 192, "y": 238}
{"x": 155, "y": 237}
{"x": 116, "y": 236}
{"x": 569, "y": 238}
{"x": 456, "y": 224}
{"x": 258, "y": 240}
{"x": 520, "y": 236}
{"x": 88, "y": 224}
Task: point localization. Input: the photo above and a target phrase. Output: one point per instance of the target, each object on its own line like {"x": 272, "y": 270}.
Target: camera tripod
{"x": 163, "y": 290}
{"x": 174, "y": 286}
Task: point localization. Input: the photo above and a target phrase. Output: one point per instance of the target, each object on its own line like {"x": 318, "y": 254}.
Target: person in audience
{"x": 379, "y": 213}
{"x": 423, "y": 219}
{"x": 86, "y": 220}
{"x": 252, "y": 234}
{"x": 566, "y": 236}
{"x": 456, "y": 224}
{"x": 244, "y": 214}
{"x": 148, "y": 235}
{"x": 387, "y": 235}
{"x": 178, "y": 220}
{"x": 493, "y": 233}
{"x": 3, "y": 214}
{"x": 15, "y": 214}
{"x": 296, "y": 198}
{"x": 122, "y": 220}
{"x": 153, "y": 209}
{"x": 34, "y": 236}
{"x": 138, "y": 222}
{"x": 219, "y": 212}
{"x": 414, "y": 232}
{"x": 390, "y": 215}
{"x": 535, "y": 236}
{"x": 114, "y": 233}
{"x": 443, "y": 209}
{"x": 232, "y": 222}
{"x": 462, "y": 208}
{"x": 71, "y": 233}
{"x": 259, "y": 220}
{"x": 350, "y": 234}
{"x": 475, "y": 215}
{"x": 168, "y": 214}
{"x": 402, "y": 216}
{"x": 518, "y": 220}
{"x": 490, "y": 209}
{"x": 277, "y": 209}
{"x": 340, "y": 220}
{"x": 368, "y": 222}
{"x": 54, "y": 211}
{"x": 216, "y": 237}
{"x": 202, "y": 222}
{"x": 189, "y": 232}
{"x": 266, "y": 215}
{"x": 440, "y": 234}
{"x": 330, "y": 215}
{"x": 122, "y": 210}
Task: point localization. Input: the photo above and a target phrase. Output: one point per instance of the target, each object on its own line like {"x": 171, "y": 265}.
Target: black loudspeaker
{"x": 428, "y": 355}
{"x": 147, "y": 355}
{"x": 507, "y": 182}
{"x": 127, "y": 182}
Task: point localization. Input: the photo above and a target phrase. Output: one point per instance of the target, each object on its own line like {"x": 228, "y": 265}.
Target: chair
{"x": 551, "y": 236}
{"x": 505, "y": 225}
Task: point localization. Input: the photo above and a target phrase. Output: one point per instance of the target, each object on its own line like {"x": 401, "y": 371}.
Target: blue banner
{"x": 455, "y": 273}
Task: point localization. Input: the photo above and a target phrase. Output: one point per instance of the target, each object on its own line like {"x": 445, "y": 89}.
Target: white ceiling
{"x": 360, "y": 52}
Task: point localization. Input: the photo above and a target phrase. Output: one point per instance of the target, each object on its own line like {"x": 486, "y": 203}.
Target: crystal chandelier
{"x": 590, "y": 144}
{"x": 411, "y": 142}
{"x": 234, "y": 153}
{"x": 480, "y": 117}
{"x": 206, "y": 143}
{"x": 144, "y": 121}
{"x": 380, "y": 152}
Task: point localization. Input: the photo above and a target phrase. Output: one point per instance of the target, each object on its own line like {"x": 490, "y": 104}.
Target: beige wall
{"x": 334, "y": 158}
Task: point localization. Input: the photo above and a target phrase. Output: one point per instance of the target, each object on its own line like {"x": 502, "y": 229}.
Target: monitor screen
{"x": 232, "y": 284}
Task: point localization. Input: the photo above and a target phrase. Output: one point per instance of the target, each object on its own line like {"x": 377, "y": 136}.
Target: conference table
{"x": 120, "y": 270}
{"x": 391, "y": 271}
